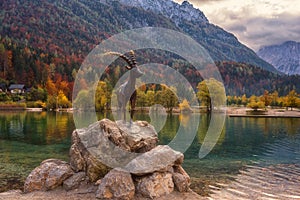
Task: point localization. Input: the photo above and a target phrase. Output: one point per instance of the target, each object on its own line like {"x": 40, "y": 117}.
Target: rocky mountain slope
{"x": 285, "y": 57}
{"x": 75, "y": 27}
{"x": 220, "y": 44}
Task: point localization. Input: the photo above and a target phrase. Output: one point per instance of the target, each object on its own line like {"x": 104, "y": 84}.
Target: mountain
{"x": 68, "y": 27}
{"x": 220, "y": 44}
{"x": 174, "y": 11}
{"x": 74, "y": 27}
{"x": 285, "y": 57}
{"x": 240, "y": 78}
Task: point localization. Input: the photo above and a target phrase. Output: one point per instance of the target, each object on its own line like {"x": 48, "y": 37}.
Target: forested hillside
{"x": 44, "y": 42}
{"x": 22, "y": 64}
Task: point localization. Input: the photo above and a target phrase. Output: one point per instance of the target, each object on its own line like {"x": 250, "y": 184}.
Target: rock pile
{"x": 116, "y": 161}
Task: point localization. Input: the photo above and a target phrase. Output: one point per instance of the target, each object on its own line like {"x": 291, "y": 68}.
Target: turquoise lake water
{"x": 27, "y": 138}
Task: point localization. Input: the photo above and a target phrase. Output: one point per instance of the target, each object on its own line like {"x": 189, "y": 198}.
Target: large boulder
{"x": 155, "y": 185}
{"x": 120, "y": 159}
{"x": 49, "y": 175}
{"x": 137, "y": 137}
{"x": 117, "y": 184}
{"x": 106, "y": 144}
{"x": 159, "y": 159}
{"x": 82, "y": 160}
{"x": 181, "y": 179}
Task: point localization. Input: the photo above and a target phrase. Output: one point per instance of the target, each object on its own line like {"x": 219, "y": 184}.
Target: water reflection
{"x": 28, "y": 138}
{"x": 38, "y": 128}
{"x": 242, "y": 137}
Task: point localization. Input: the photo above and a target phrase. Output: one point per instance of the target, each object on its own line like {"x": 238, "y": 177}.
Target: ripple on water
{"x": 275, "y": 176}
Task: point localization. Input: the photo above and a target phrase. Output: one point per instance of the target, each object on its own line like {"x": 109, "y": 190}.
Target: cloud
{"x": 237, "y": 28}
{"x": 256, "y": 23}
{"x": 258, "y": 32}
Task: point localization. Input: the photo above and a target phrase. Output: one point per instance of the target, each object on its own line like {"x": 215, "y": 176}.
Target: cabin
{"x": 17, "y": 88}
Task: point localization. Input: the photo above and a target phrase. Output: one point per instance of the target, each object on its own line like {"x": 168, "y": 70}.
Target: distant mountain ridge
{"x": 285, "y": 57}
{"x": 76, "y": 26}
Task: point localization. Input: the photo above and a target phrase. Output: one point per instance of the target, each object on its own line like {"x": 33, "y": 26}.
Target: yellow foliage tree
{"x": 244, "y": 100}
{"x": 166, "y": 97}
{"x": 255, "y": 103}
{"x": 211, "y": 91}
{"x": 291, "y": 100}
{"x": 62, "y": 100}
{"x": 185, "y": 106}
{"x": 102, "y": 96}
{"x": 266, "y": 98}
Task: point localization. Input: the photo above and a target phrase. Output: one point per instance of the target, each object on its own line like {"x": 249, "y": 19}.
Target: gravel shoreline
{"x": 282, "y": 112}
{"x": 61, "y": 194}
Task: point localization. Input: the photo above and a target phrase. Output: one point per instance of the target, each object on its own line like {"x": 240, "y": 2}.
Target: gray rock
{"x": 77, "y": 160}
{"x": 155, "y": 185}
{"x": 49, "y": 175}
{"x": 82, "y": 160}
{"x": 178, "y": 13}
{"x": 95, "y": 168}
{"x": 107, "y": 144}
{"x": 155, "y": 170}
{"x": 117, "y": 184}
{"x": 181, "y": 179}
{"x": 159, "y": 159}
{"x": 137, "y": 137}
{"x": 74, "y": 181}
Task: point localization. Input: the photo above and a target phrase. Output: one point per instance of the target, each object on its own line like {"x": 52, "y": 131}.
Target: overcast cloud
{"x": 256, "y": 23}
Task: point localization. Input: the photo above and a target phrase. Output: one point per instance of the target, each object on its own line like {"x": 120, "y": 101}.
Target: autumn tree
{"x": 274, "y": 99}
{"x": 62, "y": 100}
{"x": 266, "y": 98}
{"x": 102, "y": 96}
{"x": 166, "y": 97}
{"x": 255, "y": 103}
{"x": 292, "y": 99}
{"x": 185, "y": 106}
{"x": 211, "y": 91}
{"x": 230, "y": 100}
{"x": 50, "y": 87}
{"x": 244, "y": 100}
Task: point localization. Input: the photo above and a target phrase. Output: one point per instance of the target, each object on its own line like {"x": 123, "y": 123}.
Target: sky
{"x": 256, "y": 23}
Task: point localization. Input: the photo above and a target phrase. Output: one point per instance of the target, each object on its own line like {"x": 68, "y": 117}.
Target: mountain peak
{"x": 285, "y": 57}
{"x": 170, "y": 9}
{"x": 290, "y": 43}
{"x": 187, "y": 4}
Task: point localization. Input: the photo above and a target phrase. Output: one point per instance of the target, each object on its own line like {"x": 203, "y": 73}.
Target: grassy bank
{"x": 12, "y": 106}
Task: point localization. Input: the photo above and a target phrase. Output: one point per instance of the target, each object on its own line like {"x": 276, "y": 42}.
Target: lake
{"x": 27, "y": 138}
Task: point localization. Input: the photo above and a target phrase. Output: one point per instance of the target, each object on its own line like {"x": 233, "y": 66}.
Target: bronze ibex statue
{"x": 126, "y": 92}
